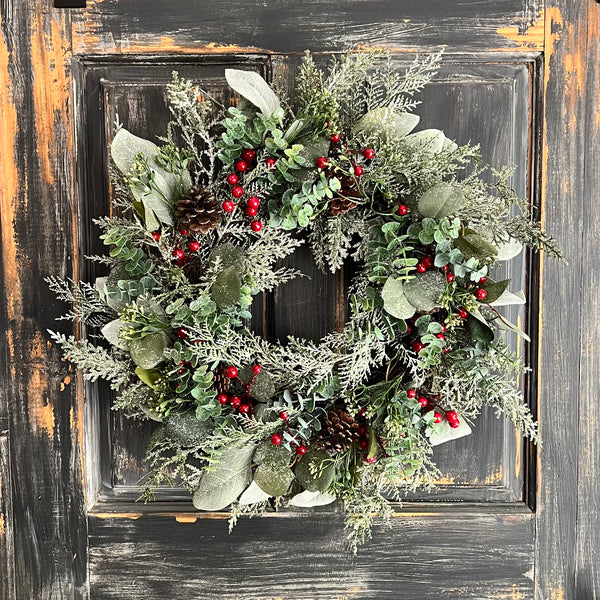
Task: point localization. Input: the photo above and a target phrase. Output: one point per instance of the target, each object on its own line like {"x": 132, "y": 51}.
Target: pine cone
{"x": 343, "y": 202}
{"x": 340, "y": 430}
{"x": 221, "y": 382}
{"x": 198, "y": 211}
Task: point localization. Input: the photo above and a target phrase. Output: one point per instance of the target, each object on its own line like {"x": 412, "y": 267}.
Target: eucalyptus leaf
{"x": 441, "y": 200}
{"x": 263, "y": 387}
{"x": 148, "y": 376}
{"x": 425, "y": 290}
{"x": 386, "y": 123}
{"x": 228, "y": 255}
{"x": 270, "y": 454}
{"x": 254, "y": 88}
{"x": 111, "y": 332}
{"x": 147, "y": 352}
{"x": 252, "y": 495}
{"x": 186, "y": 430}
{"x": 509, "y": 249}
{"x": 226, "y": 289}
{"x": 395, "y": 301}
{"x": 307, "y": 499}
{"x": 226, "y": 480}
{"x": 479, "y": 330}
{"x": 474, "y": 245}
{"x": 428, "y": 140}
{"x": 273, "y": 479}
{"x": 447, "y": 433}
{"x": 323, "y": 478}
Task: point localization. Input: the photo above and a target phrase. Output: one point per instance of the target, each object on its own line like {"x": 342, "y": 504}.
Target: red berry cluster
{"x": 429, "y": 403}
{"x": 367, "y": 153}
{"x": 252, "y": 204}
{"x": 183, "y": 250}
{"x": 240, "y": 402}
{"x": 277, "y": 438}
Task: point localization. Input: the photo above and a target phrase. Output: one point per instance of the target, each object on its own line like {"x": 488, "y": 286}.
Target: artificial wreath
{"x": 201, "y": 228}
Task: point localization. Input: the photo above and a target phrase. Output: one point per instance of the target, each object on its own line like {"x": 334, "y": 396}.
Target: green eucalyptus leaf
{"x": 395, "y": 301}
{"x": 226, "y": 480}
{"x": 226, "y": 289}
{"x": 274, "y": 480}
{"x": 269, "y": 454}
{"x": 254, "y": 88}
{"x": 428, "y": 140}
{"x": 441, "y": 200}
{"x": 494, "y": 289}
{"x": 148, "y": 351}
{"x": 386, "y": 123}
{"x": 424, "y": 290}
{"x": 474, "y": 245}
{"x": 478, "y": 328}
{"x": 309, "y": 481}
{"x": 228, "y": 255}
{"x": 263, "y": 387}
{"x": 185, "y": 429}
{"x": 148, "y": 376}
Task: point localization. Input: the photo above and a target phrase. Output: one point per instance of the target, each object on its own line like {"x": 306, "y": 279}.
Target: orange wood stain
{"x": 109, "y": 515}
{"x": 186, "y": 518}
{"x": 2, "y": 525}
{"x": 531, "y": 39}
{"x": 41, "y": 409}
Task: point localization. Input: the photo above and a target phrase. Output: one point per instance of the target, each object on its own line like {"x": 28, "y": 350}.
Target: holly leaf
{"x": 321, "y": 479}
{"x": 254, "y": 88}
{"x": 227, "y": 288}
{"x": 225, "y": 481}
{"x": 441, "y": 200}
{"x": 395, "y": 301}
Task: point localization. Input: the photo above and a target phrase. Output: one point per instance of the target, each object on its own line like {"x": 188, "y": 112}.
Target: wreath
{"x": 202, "y": 224}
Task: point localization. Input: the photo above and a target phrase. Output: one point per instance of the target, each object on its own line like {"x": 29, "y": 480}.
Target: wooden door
{"x": 506, "y": 520}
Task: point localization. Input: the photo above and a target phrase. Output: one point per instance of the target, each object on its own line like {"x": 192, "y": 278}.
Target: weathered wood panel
{"x": 290, "y": 26}
{"x": 429, "y": 553}
{"x": 36, "y": 217}
{"x": 569, "y": 374}
{"x": 7, "y": 533}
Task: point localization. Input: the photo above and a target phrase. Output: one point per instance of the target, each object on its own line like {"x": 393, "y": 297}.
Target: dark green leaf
{"x": 226, "y": 289}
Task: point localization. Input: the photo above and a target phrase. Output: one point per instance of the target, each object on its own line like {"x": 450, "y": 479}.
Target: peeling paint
{"x": 531, "y": 39}
{"x": 108, "y": 515}
{"x": 41, "y": 409}
{"x": 186, "y": 518}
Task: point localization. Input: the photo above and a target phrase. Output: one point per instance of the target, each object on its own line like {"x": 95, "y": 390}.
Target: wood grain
{"x": 281, "y": 557}
{"x": 36, "y": 216}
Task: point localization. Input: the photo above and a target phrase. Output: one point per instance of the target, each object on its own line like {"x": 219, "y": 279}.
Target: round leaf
{"x": 269, "y": 454}
{"x": 274, "y": 480}
{"x": 310, "y": 481}
{"x": 186, "y": 430}
{"x": 263, "y": 387}
{"x": 441, "y": 200}
{"x": 425, "y": 290}
{"x": 428, "y": 140}
{"x": 227, "y": 288}
{"x": 147, "y": 352}
{"x": 395, "y": 301}
{"x": 228, "y": 255}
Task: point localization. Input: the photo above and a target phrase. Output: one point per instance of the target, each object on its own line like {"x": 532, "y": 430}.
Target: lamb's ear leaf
{"x": 448, "y": 433}
{"x": 126, "y": 146}
{"x": 254, "y": 88}
{"x": 308, "y": 499}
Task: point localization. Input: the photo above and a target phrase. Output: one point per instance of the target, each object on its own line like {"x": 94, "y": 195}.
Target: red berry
{"x": 182, "y": 333}
{"x": 256, "y": 226}
{"x": 321, "y": 162}
{"x": 270, "y": 162}
{"x": 237, "y": 191}
{"x": 454, "y": 424}
{"x": 423, "y": 401}
{"x": 181, "y": 371}
{"x": 232, "y": 179}
{"x": 156, "y": 235}
{"x": 446, "y": 350}
{"x": 254, "y": 202}
{"x": 418, "y": 346}
{"x": 194, "y": 246}
{"x": 427, "y": 261}
{"x": 449, "y": 277}
{"x": 276, "y": 439}
{"x": 363, "y": 444}
{"x": 409, "y": 328}
{"x": 228, "y": 206}
{"x": 245, "y": 409}
{"x": 412, "y": 393}
{"x": 445, "y": 267}
{"x": 235, "y": 401}
{"x": 462, "y": 313}
{"x": 451, "y": 415}
{"x": 248, "y": 155}
{"x": 241, "y": 166}
{"x": 223, "y": 398}
{"x": 440, "y": 336}
{"x": 256, "y": 369}
{"x": 184, "y": 232}
{"x": 437, "y": 417}
{"x": 362, "y": 430}
{"x": 369, "y": 153}
{"x": 335, "y": 138}
{"x": 480, "y": 294}
{"x": 443, "y": 328}
{"x": 370, "y": 460}
{"x": 421, "y": 268}
{"x": 358, "y": 170}
{"x": 301, "y": 449}
{"x": 251, "y": 211}
{"x": 403, "y": 209}
{"x": 362, "y": 412}
{"x": 483, "y": 279}
{"x": 178, "y": 253}
{"x": 231, "y": 372}
{"x": 284, "y": 415}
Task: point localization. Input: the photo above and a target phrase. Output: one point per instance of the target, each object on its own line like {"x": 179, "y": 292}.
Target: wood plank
{"x": 36, "y": 215}
{"x": 568, "y": 369}
{"x": 154, "y": 557}
{"x": 7, "y": 532}
{"x": 187, "y": 26}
